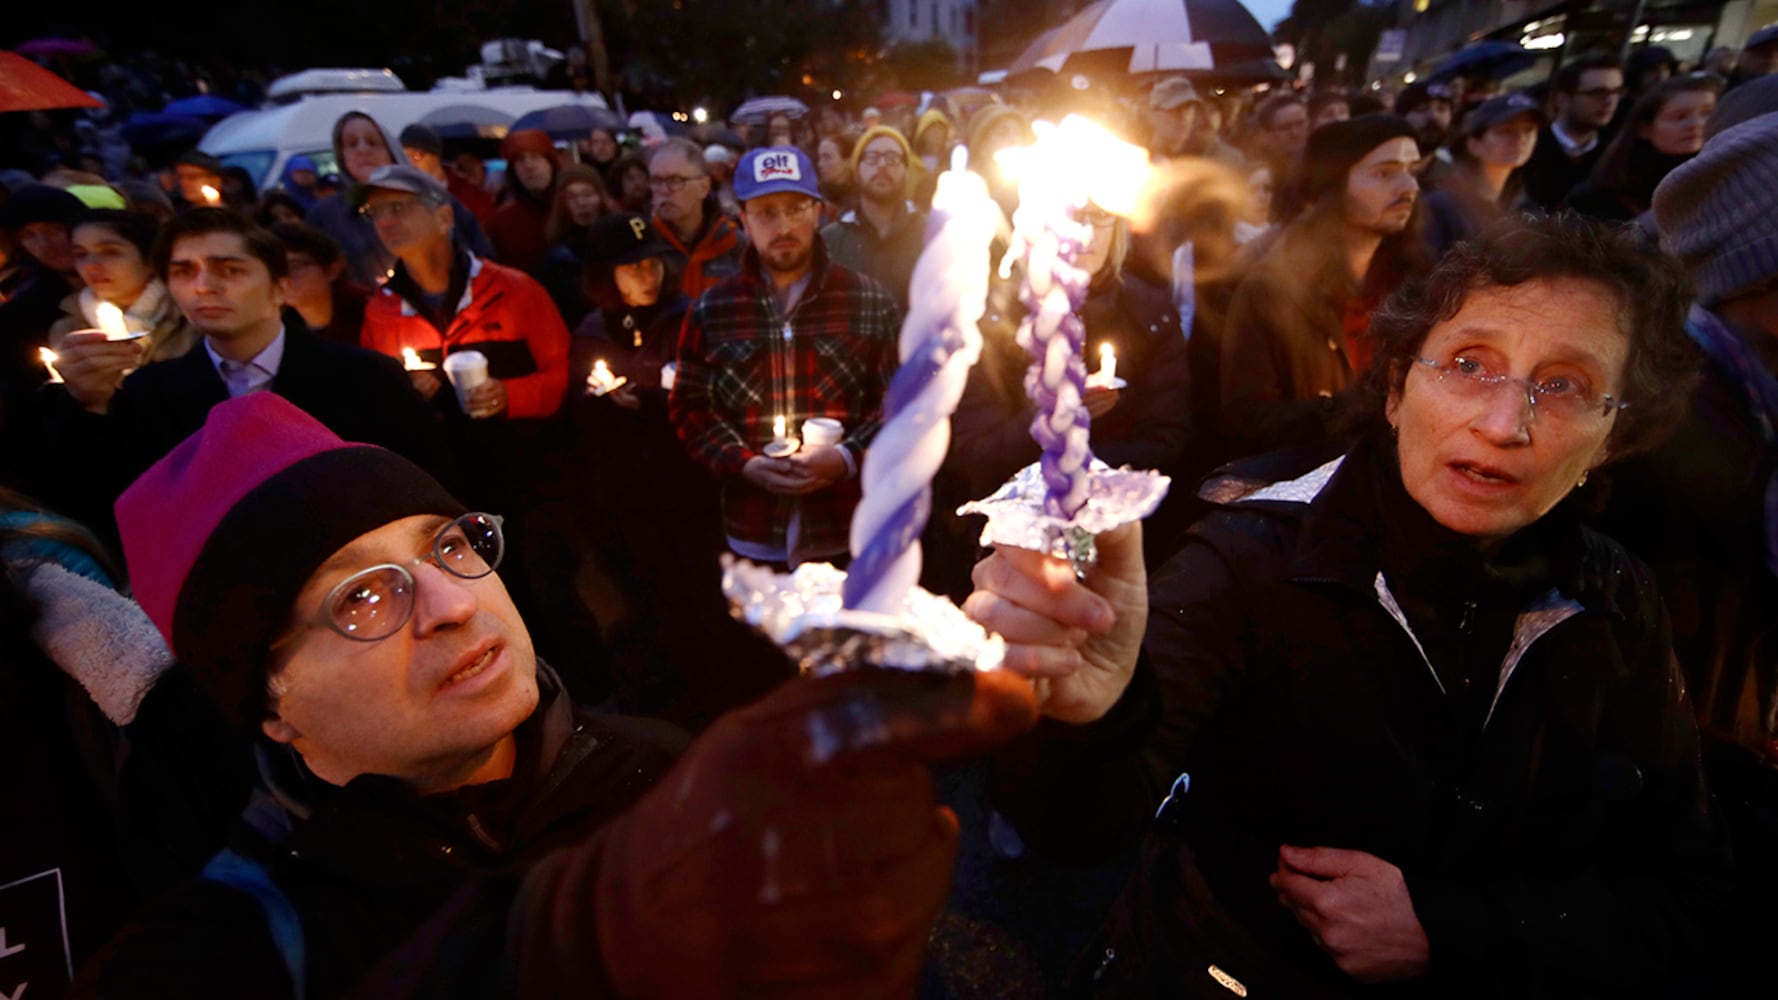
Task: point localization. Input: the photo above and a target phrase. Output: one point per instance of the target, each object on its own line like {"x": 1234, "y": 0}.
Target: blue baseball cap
{"x": 775, "y": 169}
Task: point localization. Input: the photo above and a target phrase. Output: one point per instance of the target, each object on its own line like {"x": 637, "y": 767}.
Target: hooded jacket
{"x": 1331, "y": 668}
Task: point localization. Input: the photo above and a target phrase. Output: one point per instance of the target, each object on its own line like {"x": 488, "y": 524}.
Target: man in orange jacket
{"x": 442, "y": 299}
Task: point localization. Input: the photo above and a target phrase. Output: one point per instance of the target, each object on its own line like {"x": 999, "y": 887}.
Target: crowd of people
{"x": 363, "y": 542}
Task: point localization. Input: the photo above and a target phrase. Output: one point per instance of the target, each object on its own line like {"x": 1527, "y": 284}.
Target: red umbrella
{"x": 26, "y": 86}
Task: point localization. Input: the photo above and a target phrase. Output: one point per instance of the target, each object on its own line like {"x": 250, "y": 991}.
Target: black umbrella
{"x": 569, "y": 121}
{"x": 1490, "y": 58}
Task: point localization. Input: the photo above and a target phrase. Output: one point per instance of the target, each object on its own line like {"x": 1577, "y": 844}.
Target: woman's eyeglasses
{"x": 1559, "y": 397}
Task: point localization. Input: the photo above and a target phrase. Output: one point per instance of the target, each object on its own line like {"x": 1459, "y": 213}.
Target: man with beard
{"x": 790, "y": 338}
{"x": 1427, "y": 107}
{"x": 1586, "y": 94}
{"x": 882, "y": 237}
{"x": 1298, "y": 333}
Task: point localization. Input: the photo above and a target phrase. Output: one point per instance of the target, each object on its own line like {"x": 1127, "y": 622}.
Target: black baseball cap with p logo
{"x": 623, "y": 239}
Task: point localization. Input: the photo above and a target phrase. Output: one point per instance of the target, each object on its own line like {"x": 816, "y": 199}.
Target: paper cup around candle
{"x": 669, "y": 375}
{"x": 466, "y": 370}
{"x": 819, "y": 431}
{"x": 782, "y": 448}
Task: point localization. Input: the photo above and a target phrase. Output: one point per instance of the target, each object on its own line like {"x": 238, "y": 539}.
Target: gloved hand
{"x": 797, "y": 850}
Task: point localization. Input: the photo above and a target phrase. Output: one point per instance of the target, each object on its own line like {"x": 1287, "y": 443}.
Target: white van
{"x": 263, "y": 141}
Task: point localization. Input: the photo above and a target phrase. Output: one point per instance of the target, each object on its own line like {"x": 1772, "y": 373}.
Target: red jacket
{"x": 504, "y": 314}
{"x": 713, "y": 257}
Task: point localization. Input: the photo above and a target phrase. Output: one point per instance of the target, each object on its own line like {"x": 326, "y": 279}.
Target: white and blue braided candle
{"x": 940, "y": 341}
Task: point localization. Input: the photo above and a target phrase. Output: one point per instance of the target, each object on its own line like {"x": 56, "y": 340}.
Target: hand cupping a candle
{"x": 93, "y": 366}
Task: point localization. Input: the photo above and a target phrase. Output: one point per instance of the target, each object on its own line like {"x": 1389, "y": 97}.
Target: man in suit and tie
{"x": 230, "y": 278}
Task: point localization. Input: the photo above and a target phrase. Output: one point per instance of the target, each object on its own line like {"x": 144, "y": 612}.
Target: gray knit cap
{"x": 1708, "y": 211}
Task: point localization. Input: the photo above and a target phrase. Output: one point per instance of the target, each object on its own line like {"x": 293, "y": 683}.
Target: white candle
{"x": 939, "y": 342}
{"x": 781, "y": 446}
{"x": 1107, "y": 364}
{"x": 111, "y": 321}
{"x": 48, "y": 357}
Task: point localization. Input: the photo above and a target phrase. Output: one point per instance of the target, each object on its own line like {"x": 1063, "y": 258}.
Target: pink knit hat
{"x": 222, "y": 533}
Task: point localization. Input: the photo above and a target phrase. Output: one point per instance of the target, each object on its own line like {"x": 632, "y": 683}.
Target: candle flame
{"x": 1106, "y": 352}
{"x": 778, "y": 429}
{"x": 111, "y": 321}
{"x": 49, "y": 359}
{"x": 410, "y": 359}
{"x": 211, "y": 195}
{"x": 1077, "y": 161}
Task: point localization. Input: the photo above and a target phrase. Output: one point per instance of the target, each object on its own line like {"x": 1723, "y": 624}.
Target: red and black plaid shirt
{"x": 741, "y": 364}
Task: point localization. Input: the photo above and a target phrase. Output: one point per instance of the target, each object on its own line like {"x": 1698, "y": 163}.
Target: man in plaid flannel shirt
{"x": 793, "y": 336}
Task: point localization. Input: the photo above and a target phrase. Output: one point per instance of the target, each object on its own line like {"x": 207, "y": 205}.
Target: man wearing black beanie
{"x": 1297, "y": 335}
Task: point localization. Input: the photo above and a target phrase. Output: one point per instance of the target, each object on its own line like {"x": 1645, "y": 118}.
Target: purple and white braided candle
{"x": 1069, "y": 165}
{"x": 1049, "y": 241}
{"x": 939, "y": 343}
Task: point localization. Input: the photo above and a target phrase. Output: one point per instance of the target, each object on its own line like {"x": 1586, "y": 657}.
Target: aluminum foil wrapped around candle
{"x": 876, "y": 615}
{"x": 1057, "y": 505}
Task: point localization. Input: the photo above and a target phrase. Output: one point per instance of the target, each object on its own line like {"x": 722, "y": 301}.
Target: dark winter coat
{"x": 1332, "y": 668}
{"x": 1149, "y": 427}
{"x": 374, "y": 861}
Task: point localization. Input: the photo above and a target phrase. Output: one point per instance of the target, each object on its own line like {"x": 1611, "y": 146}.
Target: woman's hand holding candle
{"x": 93, "y": 366}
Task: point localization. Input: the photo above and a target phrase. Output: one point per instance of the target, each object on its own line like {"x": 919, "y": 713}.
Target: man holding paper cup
{"x": 793, "y": 337}
{"x": 442, "y": 300}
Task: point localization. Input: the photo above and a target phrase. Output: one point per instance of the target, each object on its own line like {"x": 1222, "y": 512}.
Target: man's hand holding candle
{"x": 780, "y": 475}
{"x": 821, "y": 463}
{"x": 426, "y": 383}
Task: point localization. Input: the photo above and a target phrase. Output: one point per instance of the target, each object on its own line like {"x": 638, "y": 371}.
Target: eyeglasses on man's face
{"x": 1565, "y": 398}
{"x": 790, "y": 214}
{"x": 394, "y": 208}
{"x": 883, "y": 158}
{"x": 375, "y": 603}
{"x": 672, "y": 184}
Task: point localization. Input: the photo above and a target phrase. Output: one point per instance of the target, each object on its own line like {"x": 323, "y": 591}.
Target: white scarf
{"x": 145, "y": 310}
